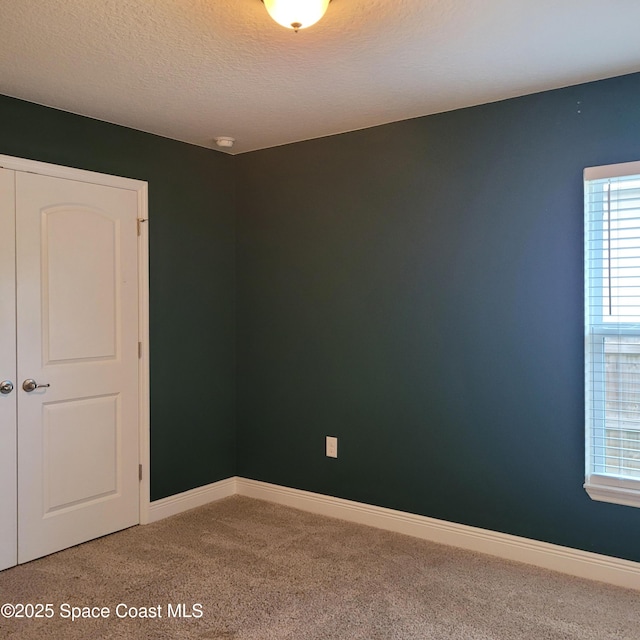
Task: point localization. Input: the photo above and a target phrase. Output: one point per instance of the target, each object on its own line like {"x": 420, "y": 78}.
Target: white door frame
{"x": 141, "y": 189}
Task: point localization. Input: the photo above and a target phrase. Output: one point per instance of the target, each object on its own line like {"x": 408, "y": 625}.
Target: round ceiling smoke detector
{"x": 225, "y": 142}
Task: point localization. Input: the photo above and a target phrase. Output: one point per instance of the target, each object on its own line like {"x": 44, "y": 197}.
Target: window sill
{"x": 614, "y": 490}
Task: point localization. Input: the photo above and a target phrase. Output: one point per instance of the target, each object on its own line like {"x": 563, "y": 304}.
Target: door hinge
{"x": 140, "y": 472}
{"x": 139, "y": 350}
{"x": 140, "y": 221}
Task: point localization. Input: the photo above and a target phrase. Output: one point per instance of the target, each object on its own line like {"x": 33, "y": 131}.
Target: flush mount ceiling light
{"x": 296, "y": 14}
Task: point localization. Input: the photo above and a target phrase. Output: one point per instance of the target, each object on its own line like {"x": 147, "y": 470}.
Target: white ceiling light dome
{"x": 296, "y": 14}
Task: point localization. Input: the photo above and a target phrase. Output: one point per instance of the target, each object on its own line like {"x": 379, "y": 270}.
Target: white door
{"x": 8, "y": 470}
{"x": 77, "y": 339}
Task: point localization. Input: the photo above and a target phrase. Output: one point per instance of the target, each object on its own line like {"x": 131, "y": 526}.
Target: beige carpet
{"x": 262, "y": 572}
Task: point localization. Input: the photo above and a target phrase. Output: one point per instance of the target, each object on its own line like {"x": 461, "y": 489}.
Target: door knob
{"x": 6, "y": 386}
{"x": 30, "y": 384}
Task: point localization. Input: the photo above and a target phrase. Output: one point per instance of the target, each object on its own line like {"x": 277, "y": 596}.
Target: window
{"x": 612, "y": 332}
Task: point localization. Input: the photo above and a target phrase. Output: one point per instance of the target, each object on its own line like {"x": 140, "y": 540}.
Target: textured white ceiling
{"x": 193, "y": 70}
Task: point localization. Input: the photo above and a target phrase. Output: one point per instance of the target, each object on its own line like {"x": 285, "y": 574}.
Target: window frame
{"x": 599, "y": 484}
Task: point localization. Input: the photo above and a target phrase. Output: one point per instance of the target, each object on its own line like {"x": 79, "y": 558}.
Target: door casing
{"x": 8, "y": 362}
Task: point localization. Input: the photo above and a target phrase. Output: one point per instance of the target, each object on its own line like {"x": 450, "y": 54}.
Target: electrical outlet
{"x": 332, "y": 447}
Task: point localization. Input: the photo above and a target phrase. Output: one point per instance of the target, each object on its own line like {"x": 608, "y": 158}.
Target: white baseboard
{"x": 583, "y": 564}
{"x": 173, "y": 505}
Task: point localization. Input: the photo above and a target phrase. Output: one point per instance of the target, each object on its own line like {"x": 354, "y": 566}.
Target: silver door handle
{"x": 30, "y": 384}
{"x": 6, "y": 386}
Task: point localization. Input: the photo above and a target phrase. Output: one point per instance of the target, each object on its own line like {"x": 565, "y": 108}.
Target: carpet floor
{"x": 243, "y": 569}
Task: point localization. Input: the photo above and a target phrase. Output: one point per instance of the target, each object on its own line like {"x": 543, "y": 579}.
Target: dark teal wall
{"x": 416, "y": 290}
{"x": 192, "y": 295}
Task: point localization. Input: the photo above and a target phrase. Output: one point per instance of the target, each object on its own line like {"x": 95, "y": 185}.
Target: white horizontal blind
{"x": 612, "y": 310}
